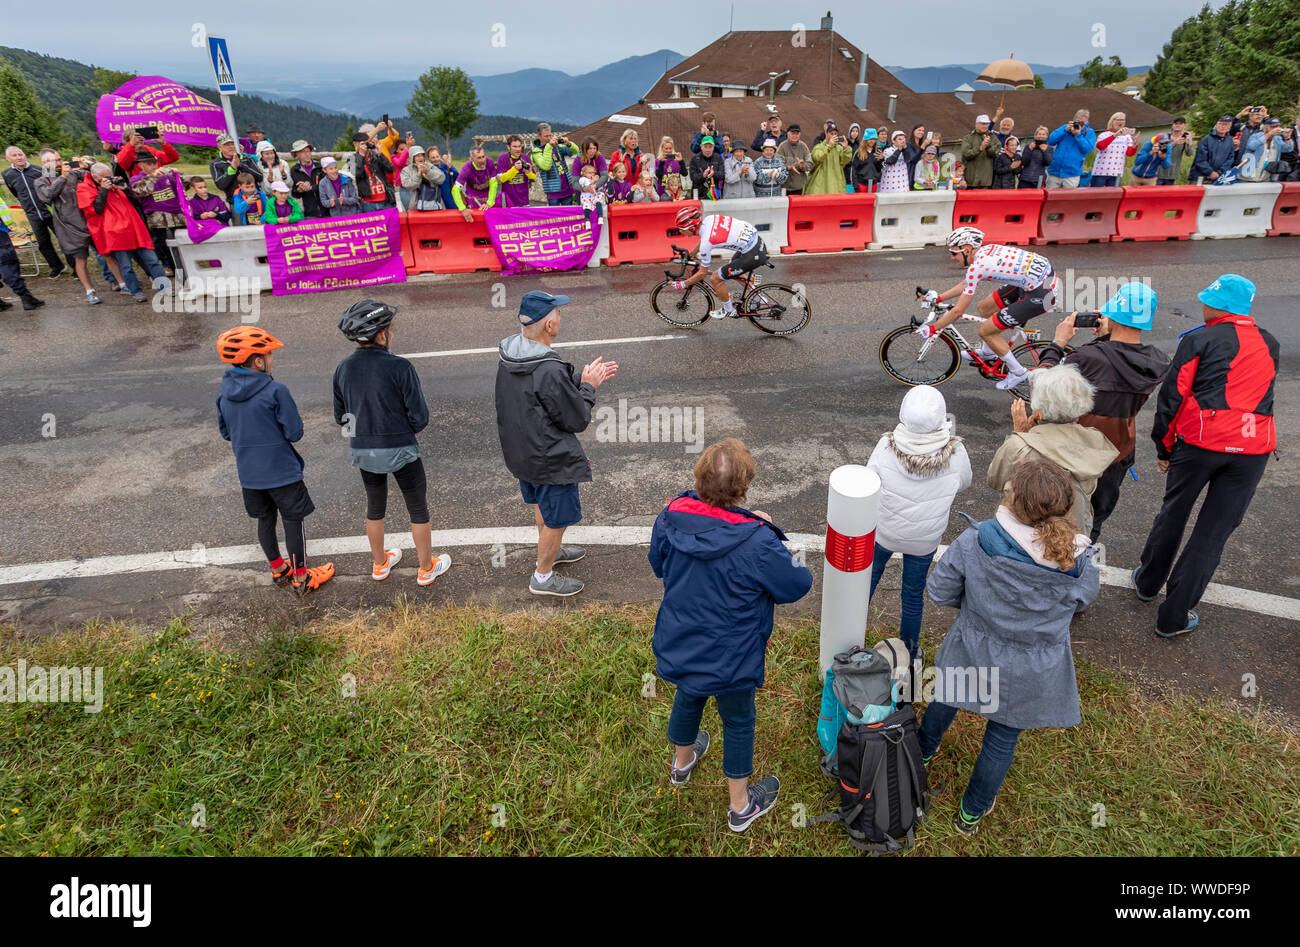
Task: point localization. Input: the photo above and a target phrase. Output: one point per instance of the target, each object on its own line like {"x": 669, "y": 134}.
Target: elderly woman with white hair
{"x": 1059, "y": 397}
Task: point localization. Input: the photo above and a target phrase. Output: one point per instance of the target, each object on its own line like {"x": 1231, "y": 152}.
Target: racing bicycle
{"x": 773, "y": 308}
{"x": 913, "y": 360}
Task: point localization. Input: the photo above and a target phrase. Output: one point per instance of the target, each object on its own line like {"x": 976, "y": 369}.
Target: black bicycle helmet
{"x": 364, "y": 320}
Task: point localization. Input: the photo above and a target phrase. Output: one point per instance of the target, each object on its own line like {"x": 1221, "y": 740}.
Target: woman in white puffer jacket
{"x": 922, "y": 467}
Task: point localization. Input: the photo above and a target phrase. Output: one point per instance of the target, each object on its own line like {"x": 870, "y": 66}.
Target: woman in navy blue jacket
{"x": 724, "y": 569}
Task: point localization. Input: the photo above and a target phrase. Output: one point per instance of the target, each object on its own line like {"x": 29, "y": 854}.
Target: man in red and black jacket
{"x": 1214, "y": 428}
{"x": 133, "y": 144}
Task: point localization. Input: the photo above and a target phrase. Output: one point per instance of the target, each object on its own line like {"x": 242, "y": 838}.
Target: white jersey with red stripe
{"x": 1006, "y": 264}
{"x": 720, "y": 232}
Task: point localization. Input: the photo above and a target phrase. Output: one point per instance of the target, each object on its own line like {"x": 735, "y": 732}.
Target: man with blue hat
{"x": 542, "y": 404}
{"x": 1124, "y": 372}
{"x": 1213, "y": 431}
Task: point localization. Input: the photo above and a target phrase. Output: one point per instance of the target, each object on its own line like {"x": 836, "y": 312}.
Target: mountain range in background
{"x": 947, "y": 78}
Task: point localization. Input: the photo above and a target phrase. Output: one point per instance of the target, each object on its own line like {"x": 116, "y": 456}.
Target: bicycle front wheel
{"x": 682, "y": 308}
{"x": 1030, "y": 355}
{"x": 777, "y": 309}
{"x": 907, "y": 357}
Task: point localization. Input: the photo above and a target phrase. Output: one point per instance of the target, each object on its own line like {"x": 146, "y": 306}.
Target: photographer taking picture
{"x": 549, "y": 157}
{"x": 1072, "y": 142}
{"x": 1152, "y": 158}
{"x": 514, "y": 171}
{"x": 116, "y": 226}
{"x": 1182, "y": 145}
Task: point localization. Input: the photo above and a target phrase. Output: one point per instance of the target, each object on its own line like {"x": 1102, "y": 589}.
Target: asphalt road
{"x": 136, "y": 464}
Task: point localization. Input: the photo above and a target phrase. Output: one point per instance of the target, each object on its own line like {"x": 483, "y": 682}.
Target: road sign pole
{"x": 230, "y": 117}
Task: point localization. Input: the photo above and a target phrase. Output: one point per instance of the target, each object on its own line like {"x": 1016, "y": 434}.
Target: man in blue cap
{"x": 1213, "y": 431}
{"x": 542, "y": 404}
{"x": 1124, "y": 372}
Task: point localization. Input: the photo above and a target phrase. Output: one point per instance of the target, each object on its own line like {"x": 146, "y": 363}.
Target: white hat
{"x": 280, "y": 186}
{"x": 983, "y": 118}
{"x": 584, "y": 182}
{"x": 923, "y": 410}
{"x": 264, "y": 145}
{"x": 417, "y": 150}
{"x": 769, "y": 142}
{"x": 327, "y": 162}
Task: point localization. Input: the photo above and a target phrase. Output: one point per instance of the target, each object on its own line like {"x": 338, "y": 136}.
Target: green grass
{"x": 458, "y": 710}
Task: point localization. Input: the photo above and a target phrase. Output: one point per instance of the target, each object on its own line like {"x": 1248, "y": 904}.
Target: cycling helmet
{"x": 241, "y": 343}
{"x": 688, "y": 219}
{"x": 965, "y": 237}
{"x": 363, "y": 320}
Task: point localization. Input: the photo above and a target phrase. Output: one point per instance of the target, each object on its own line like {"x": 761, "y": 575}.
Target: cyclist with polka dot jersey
{"x": 1028, "y": 289}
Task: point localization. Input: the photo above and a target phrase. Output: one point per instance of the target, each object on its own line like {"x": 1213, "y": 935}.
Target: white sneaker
{"x": 391, "y": 558}
{"x": 440, "y": 565}
{"x": 1013, "y": 380}
{"x": 717, "y": 313}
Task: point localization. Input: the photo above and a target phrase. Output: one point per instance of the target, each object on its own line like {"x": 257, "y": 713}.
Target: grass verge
{"x": 477, "y": 732}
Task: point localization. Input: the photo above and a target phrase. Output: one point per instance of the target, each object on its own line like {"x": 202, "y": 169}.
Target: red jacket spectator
{"x": 165, "y": 154}
{"x": 112, "y": 219}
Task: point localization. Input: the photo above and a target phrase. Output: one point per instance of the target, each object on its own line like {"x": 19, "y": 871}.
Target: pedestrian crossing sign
{"x": 220, "y": 57}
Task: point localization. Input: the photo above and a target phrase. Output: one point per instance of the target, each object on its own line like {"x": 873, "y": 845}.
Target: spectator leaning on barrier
{"x": 668, "y": 161}
{"x": 370, "y": 169}
{"x": 205, "y": 206}
{"x": 1215, "y": 155}
{"x": 864, "y": 169}
{"x": 542, "y": 404}
{"x": 1152, "y": 158}
{"x": 1181, "y": 145}
{"x": 618, "y": 190}
{"x": 476, "y": 185}
{"x": 830, "y": 157}
{"x": 1018, "y": 580}
{"x": 1114, "y": 147}
{"x": 304, "y": 177}
{"x": 646, "y": 190}
{"x": 445, "y": 164}
{"x": 1006, "y": 166}
{"x": 926, "y": 171}
{"x": 1123, "y": 373}
{"x": 894, "y": 177}
{"x": 768, "y": 128}
{"x": 116, "y": 227}
{"x": 724, "y": 569}
{"x": 978, "y": 149}
{"x": 160, "y": 193}
{"x": 282, "y": 208}
{"x": 338, "y": 192}
{"x": 797, "y": 158}
{"x": 738, "y": 170}
{"x": 514, "y": 171}
{"x": 590, "y": 154}
{"x": 629, "y": 154}
{"x": 1261, "y": 153}
{"x": 708, "y": 171}
{"x": 1035, "y": 156}
{"x": 549, "y": 156}
{"x": 21, "y": 177}
{"x": 134, "y": 145}
{"x": 1071, "y": 143}
{"x": 1059, "y": 397}
{"x": 922, "y": 467}
{"x": 769, "y": 171}
{"x": 1213, "y": 430}
{"x": 226, "y": 167}
{"x": 249, "y": 205}
{"x": 59, "y": 190}
{"x": 1288, "y": 162}
{"x": 423, "y": 182}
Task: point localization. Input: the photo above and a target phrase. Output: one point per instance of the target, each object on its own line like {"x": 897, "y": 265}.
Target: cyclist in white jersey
{"x": 1028, "y": 290}
{"x": 720, "y": 232}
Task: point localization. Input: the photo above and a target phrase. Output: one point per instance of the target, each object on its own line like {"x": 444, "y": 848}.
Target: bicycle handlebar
{"x": 682, "y": 258}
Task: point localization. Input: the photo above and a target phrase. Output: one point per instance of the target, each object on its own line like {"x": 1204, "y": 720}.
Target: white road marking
{"x": 1248, "y": 600}
{"x": 493, "y": 350}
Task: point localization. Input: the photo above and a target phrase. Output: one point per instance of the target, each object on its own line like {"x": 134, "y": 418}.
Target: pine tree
{"x": 344, "y": 142}
{"x": 1182, "y": 67}
{"x": 1255, "y": 62}
{"x": 24, "y": 119}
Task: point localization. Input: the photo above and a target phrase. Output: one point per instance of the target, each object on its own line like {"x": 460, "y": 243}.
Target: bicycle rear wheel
{"x": 1030, "y": 355}
{"x": 682, "y": 308}
{"x": 901, "y": 357}
{"x": 777, "y": 309}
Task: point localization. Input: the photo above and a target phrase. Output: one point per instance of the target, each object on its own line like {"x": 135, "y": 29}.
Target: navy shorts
{"x": 558, "y": 502}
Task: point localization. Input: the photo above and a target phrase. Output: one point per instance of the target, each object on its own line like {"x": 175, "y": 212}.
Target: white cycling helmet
{"x": 965, "y": 237}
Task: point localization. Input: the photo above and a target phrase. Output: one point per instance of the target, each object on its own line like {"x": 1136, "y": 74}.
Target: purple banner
{"x": 184, "y": 117}
{"x": 198, "y": 229}
{"x": 332, "y": 253}
{"x": 542, "y": 238}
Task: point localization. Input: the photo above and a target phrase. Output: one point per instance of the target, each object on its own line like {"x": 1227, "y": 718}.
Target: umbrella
{"x": 1010, "y": 73}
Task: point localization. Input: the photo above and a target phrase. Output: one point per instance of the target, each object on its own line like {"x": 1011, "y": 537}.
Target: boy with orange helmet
{"x": 258, "y": 416}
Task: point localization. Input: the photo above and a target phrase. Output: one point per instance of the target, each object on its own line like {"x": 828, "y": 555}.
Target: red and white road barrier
{"x": 851, "y": 506}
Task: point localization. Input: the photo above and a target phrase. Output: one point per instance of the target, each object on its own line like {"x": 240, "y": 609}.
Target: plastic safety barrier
{"x": 442, "y": 241}
{"x": 913, "y": 219}
{"x": 644, "y": 233}
{"x": 1005, "y": 216}
{"x": 1079, "y": 215}
{"x": 824, "y": 223}
{"x": 769, "y": 215}
{"x": 1158, "y": 213}
{"x": 230, "y": 262}
{"x": 1244, "y": 209}
{"x": 408, "y": 255}
{"x": 1286, "y": 211}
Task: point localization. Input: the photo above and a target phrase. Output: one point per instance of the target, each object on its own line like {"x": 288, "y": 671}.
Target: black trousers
{"x": 41, "y": 231}
{"x": 1106, "y": 496}
{"x": 1231, "y": 479}
{"x": 10, "y": 271}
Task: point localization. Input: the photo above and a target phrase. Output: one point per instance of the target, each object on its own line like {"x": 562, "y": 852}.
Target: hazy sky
{"x": 324, "y": 38}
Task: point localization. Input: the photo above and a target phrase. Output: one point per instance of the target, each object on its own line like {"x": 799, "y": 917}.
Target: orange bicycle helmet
{"x": 241, "y": 343}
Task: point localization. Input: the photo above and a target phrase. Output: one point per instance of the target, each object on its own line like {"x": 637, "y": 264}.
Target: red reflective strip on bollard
{"x": 849, "y": 553}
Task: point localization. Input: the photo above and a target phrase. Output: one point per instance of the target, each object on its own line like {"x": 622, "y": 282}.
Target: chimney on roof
{"x": 828, "y": 24}
{"x": 771, "y": 88}
{"x": 965, "y": 93}
{"x": 893, "y": 107}
{"x": 860, "y": 90}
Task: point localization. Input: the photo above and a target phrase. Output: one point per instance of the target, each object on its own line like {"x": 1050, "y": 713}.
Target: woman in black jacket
{"x": 864, "y": 169}
{"x": 1007, "y": 164}
{"x": 1035, "y": 158}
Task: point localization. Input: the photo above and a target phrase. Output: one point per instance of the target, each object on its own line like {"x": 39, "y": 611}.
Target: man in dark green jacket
{"x": 978, "y": 149}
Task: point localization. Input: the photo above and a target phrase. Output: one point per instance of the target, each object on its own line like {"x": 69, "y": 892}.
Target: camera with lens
{"x": 118, "y": 180}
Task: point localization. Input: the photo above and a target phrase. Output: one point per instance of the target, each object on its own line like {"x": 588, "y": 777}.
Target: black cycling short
{"x": 411, "y": 481}
{"x": 292, "y": 501}
{"x": 742, "y": 263}
{"x": 1016, "y": 305}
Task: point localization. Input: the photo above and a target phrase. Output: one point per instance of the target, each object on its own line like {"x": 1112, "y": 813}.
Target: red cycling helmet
{"x": 688, "y": 219}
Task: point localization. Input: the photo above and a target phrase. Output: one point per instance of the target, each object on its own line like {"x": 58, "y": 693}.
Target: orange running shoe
{"x": 391, "y": 558}
{"x": 314, "y": 579}
{"x": 440, "y": 565}
{"x": 284, "y": 576}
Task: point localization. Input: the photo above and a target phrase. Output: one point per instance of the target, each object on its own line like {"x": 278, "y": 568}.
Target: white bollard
{"x": 851, "y": 507}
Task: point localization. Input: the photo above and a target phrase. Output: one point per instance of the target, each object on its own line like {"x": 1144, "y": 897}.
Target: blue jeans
{"x": 915, "y": 569}
{"x": 147, "y": 258}
{"x": 994, "y": 760}
{"x": 738, "y": 714}
{"x": 1104, "y": 180}
{"x": 555, "y": 201}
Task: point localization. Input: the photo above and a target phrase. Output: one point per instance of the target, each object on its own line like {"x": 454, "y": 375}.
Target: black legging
{"x": 410, "y": 480}
{"x": 295, "y": 538}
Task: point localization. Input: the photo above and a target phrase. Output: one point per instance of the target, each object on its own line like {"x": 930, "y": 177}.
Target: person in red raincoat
{"x": 117, "y": 228}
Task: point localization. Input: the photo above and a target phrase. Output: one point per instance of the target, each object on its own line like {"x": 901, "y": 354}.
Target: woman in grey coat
{"x": 58, "y": 188}
{"x": 1018, "y": 579}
